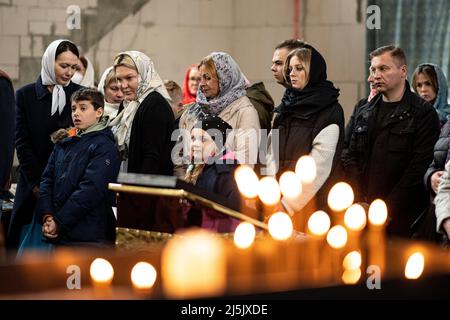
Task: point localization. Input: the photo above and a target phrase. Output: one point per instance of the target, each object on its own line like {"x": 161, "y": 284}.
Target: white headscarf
{"x": 88, "y": 78}
{"x": 149, "y": 81}
{"x": 49, "y": 78}
{"x": 111, "y": 109}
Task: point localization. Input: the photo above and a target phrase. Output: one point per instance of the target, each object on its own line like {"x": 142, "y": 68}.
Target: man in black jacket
{"x": 389, "y": 142}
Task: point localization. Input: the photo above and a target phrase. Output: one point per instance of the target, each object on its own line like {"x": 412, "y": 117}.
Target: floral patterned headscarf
{"x": 232, "y": 84}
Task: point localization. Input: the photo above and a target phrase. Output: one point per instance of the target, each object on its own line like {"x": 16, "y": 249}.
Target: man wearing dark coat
{"x": 389, "y": 143}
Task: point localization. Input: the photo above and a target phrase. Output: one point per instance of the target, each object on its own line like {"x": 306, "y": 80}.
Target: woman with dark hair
{"x": 42, "y": 108}
{"x": 430, "y": 83}
{"x": 310, "y": 121}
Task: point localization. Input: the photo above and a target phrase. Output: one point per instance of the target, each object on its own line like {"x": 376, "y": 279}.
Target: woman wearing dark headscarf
{"x": 42, "y": 108}
{"x": 310, "y": 121}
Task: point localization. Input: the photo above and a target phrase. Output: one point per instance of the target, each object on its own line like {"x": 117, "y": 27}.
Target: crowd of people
{"x": 73, "y": 138}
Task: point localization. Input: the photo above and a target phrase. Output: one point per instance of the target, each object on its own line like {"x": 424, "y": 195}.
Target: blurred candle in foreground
{"x": 269, "y": 191}
{"x": 101, "y": 272}
{"x": 351, "y": 276}
{"x": 414, "y": 266}
{"x": 352, "y": 261}
{"x": 244, "y": 235}
{"x": 290, "y": 185}
{"x": 193, "y": 264}
{"x": 355, "y": 217}
{"x": 247, "y": 181}
{"x": 340, "y": 196}
{"x": 337, "y": 237}
{"x": 378, "y": 213}
{"x": 306, "y": 169}
{"x": 143, "y": 276}
{"x": 319, "y": 223}
{"x": 280, "y": 226}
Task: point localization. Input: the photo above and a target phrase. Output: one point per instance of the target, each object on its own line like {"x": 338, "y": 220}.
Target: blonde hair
{"x": 193, "y": 172}
{"x": 173, "y": 89}
{"x": 210, "y": 68}
{"x": 125, "y": 61}
{"x": 110, "y": 77}
{"x": 304, "y": 55}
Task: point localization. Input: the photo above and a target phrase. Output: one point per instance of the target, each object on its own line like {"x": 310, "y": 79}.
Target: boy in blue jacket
{"x": 74, "y": 203}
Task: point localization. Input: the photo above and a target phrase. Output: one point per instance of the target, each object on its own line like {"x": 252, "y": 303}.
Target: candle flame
{"x": 352, "y": 260}
{"x": 269, "y": 191}
{"x": 337, "y": 237}
{"x": 193, "y": 264}
{"x": 306, "y": 169}
{"x": 244, "y": 235}
{"x": 101, "y": 271}
{"x": 377, "y": 212}
{"x": 143, "y": 275}
{"x": 414, "y": 266}
{"x": 280, "y": 226}
{"x": 340, "y": 196}
{"x": 319, "y": 223}
{"x": 355, "y": 217}
{"x": 290, "y": 184}
{"x": 351, "y": 276}
{"x": 247, "y": 181}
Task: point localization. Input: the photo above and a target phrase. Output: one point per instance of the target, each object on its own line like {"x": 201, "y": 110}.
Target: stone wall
{"x": 176, "y": 33}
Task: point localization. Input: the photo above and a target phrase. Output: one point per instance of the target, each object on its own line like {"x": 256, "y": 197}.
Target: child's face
{"x": 84, "y": 115}
{"x": 203, "y": 146}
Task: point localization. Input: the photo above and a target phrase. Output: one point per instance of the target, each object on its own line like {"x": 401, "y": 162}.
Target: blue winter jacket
{"x": 74, "y": 188}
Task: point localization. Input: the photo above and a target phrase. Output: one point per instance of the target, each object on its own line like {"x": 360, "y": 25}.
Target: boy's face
{"x": 84, "y": 115}
{"x": 203, "y": 145}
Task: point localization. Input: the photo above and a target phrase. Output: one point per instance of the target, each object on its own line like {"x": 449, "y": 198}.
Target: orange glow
{"x": 290, "y": 185}
{"x": 337, "y": 237}
{"x": 306, "y": 169}
{"x": 247, "y": 181}
{"x": 143, "y": 275}
{"x": 244, "y": 235}
{"x": 269, "y": 191}
{"x": 378, "y": 212}
{"x": 280, "y": 226}
{"x": 415, "y": 266}
{"x": 355, "y": 217}
{"x": 340, "y": 196}
{"x": 319, "y": 223}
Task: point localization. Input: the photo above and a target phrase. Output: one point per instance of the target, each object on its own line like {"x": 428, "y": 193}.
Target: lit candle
{"x": 280, "y": 226}
{"x": 290, "y": 185}
{"x": 244, "y": 235}
{"x": 143, "y": 277}
{"x": 102, "y": 274}
{"x": 376, "y": 238}
{"x": 269, "y": 193}
{"x": 306, "y": 169}
{"x": 242, "y": 258}
{"x": 318, "y": 225}
{"x": 415, "y": 266}
{"x": 355, "y": 221}
{"x": 337, "y": 239}
{"x": 247, "y": 182}
{"x": 193, "y": 265}
{"x": 340, "y": 198}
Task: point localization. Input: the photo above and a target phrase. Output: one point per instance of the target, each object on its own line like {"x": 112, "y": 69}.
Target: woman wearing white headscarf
{"x": 42, "y": 108}
{"x": 85, "y": 75}
{"x": 222, "y": 92}
{"x": 110, "y": 88}
{"x": 144, "y": 124}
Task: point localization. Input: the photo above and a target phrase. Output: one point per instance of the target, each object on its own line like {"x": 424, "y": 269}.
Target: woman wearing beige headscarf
{"x": 144, "y": 124}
